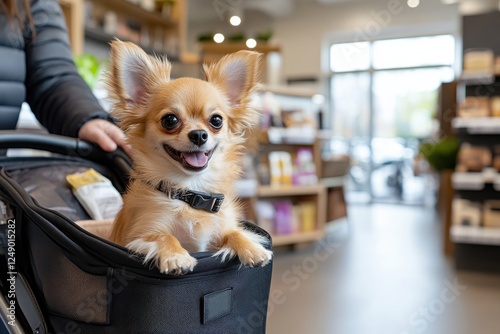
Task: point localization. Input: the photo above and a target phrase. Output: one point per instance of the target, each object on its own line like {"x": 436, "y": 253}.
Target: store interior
{"x": 376, "y": 162}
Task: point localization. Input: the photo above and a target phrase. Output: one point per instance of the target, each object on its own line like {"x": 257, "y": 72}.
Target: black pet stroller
{"x": 57, "y": 277}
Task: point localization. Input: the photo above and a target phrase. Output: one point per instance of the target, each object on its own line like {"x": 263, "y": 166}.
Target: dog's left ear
{"x": 236, "y": 74}
{"x": 130, "y": 79}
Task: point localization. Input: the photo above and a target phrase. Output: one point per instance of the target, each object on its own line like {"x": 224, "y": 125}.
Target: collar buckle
{"x": 204, "y": 201}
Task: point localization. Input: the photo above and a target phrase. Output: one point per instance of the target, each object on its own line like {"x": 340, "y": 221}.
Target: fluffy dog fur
{"x": 160, "y": 116}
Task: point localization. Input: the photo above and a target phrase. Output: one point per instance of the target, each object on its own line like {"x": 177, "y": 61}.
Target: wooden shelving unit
{"x": 270, "y": 191}
{"x": 159, "y": 33}
{"x": 297, "y": 238}
{"x": 218, "y": 50}
{"x": 476, "y": 239}
{"x": 212, "y": 52}
{"x": 312, "y": 193}
{"x": 73, "y": 13}
{"x": 139, "y": 13}
{"x": 282, "y": 140}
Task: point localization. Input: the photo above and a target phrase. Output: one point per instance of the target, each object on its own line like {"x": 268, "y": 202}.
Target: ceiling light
{"x": 251, "y": 43}
{"x": 413, "y": 3}
{"x": 235, "y": 20}
{"x": 218, "y": 38}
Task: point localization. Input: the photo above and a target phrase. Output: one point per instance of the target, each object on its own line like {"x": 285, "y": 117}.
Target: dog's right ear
{"x": 132, "y": 76}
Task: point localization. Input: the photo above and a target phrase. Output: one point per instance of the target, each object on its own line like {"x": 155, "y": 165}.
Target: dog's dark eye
{"x": 169, "y": 121}
{"x": 216, "y": 121}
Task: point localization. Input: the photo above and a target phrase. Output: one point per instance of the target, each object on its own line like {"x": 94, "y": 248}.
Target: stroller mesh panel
{"x": 68, "y": 291}
{"x": 48, "y": 186}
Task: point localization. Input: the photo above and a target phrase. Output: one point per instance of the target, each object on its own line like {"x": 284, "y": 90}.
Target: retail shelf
{"x": 277, "y": 191}
{"x": 297, "y": 238}
{"x": 477, "y": 77}
{"x": 333, "y": 182}
{"x": 475, "y": 235}
{"x": 225, "y": 48}
{"x": 479, "y": 125}
{"x": 246, "y": 188}
{"x": 138, "y": 12}
{"x": 298, "y": 136}
{"x": 476, "y": 181}
{"x": 467, "y": 181}
{"x": 98, "y": 35}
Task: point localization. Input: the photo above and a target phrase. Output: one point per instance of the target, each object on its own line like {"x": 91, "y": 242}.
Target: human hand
{"x": 105, "y": 134}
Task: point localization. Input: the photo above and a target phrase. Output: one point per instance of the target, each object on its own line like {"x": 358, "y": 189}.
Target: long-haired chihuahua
{"x": 187, "y": 137}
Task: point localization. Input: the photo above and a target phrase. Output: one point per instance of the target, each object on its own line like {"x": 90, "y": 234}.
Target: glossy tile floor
{"x": 381, "y": 271}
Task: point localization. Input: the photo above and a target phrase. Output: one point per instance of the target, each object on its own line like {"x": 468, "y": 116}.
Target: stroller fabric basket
{"x": 56, "y": 277}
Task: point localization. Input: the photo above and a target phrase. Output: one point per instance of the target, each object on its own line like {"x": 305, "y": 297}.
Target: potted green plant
{"x": 237, "y": 37}
{"x": 88, "y": 67}
{"x": 442, "y": 157}
{"x": 206, "y": 37}
{"x": 441, "y": 154}
{"x": 264, "y": 36}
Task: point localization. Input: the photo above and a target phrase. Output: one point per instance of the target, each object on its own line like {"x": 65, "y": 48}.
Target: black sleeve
{"x": 56, "y": 93}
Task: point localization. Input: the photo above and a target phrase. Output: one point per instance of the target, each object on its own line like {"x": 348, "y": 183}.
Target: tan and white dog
{"x": 187, "y": 139}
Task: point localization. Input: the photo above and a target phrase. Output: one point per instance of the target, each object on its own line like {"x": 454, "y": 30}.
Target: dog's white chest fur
{"x": 192, "y": 233}
{"x": 192, "y": 238}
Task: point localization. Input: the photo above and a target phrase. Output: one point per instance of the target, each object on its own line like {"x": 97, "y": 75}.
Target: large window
{"x": 384, "y": 99}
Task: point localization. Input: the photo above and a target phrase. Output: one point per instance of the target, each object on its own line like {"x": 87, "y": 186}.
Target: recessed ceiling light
{"x": 235, "y": 20}
{"x": 251, "y": 43}
{"x": 413, "y": 3}
{"x": 218, "y": 38}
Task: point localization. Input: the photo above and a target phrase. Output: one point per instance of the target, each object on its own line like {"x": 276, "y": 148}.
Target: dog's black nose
{"x": 198, "y": 137}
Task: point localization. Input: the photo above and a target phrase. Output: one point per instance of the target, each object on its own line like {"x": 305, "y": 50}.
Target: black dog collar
{"x": 196, "y": 199}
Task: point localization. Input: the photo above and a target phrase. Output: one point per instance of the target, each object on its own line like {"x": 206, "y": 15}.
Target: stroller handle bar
{"x": 62, "y": 145}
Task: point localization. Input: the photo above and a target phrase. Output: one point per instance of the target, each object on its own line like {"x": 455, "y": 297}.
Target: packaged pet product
{"x": 479, "y": 60}
{"x": 96, "y": 194}
{"x": 466, "y": 213}
{"x": 473, "y": 158}
{"x": 491, "y": 213}
{"x": 495, "y": 106}
{"x": 474, "y": 107}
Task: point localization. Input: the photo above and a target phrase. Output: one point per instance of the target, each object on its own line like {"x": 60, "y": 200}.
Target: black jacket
{"x": 40, "y": 70}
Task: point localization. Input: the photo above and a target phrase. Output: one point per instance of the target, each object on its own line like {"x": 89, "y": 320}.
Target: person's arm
{"x": 58, "y": 96}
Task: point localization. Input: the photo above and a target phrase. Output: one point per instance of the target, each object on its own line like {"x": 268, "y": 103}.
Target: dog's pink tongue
{"x": 195, "y": 159}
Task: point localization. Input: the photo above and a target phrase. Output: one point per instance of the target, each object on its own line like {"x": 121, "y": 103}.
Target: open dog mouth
{"x": 192, "y": 160}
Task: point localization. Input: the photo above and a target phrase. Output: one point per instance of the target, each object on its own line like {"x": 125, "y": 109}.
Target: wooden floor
{"x": 381, "y": 271}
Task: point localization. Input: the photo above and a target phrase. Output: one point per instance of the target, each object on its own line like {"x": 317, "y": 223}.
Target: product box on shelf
{"x": 491, "y": 213}
{"x": 495, "y": 106}
{"x": 264, "y": 212}
{"x": 479, "y": 60}
{"x": 284, "y": 217}
{"x": 281, "y": 169}
{"x": 466, "y": 213}
{"x": 307, "y": 216}
{"x": 473, "y": 158}
{"x": 474, "y": 107}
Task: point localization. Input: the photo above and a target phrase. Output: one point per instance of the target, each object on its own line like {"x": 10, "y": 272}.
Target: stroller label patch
{"x": 217, "y": 305}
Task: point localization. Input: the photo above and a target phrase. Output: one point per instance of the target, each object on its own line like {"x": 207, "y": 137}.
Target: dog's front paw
{"x": 247, "y": 246}
{"x": 168, "y": 260}
{"x": 253, "y": 256}
{"x": 177, "y": 263}
{"x": 256, "y": 256}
